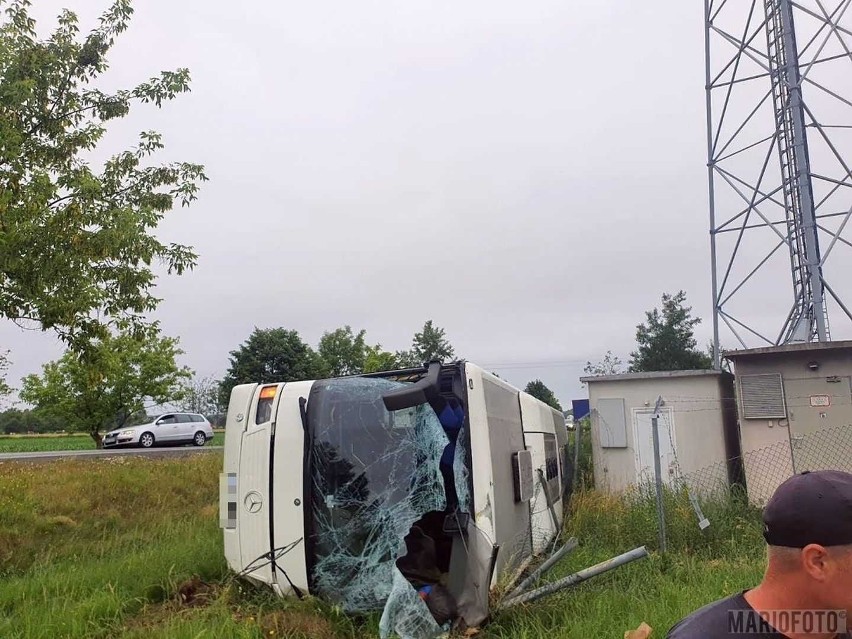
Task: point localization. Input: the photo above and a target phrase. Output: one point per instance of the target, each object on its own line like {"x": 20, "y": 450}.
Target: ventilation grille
{"x": 763, "y": 396}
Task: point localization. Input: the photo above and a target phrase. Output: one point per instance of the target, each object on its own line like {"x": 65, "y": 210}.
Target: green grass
{"x": 102, "y": 548}
{"x": 44, "y": 443}
{"x": 658, "y": 591}
{"x": 699, "y": 567}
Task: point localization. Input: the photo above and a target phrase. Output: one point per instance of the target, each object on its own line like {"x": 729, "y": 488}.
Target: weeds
{"x": 627, "y": 521}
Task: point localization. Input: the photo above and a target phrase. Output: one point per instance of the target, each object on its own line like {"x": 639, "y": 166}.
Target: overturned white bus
{"x": 411, "y": 492}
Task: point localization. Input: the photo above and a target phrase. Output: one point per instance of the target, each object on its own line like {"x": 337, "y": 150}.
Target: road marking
{"x": 72, "y": 454}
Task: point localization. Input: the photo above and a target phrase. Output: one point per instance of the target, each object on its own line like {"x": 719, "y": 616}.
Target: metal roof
{"x": 626, "y": 377}
{"x": 804, "y": 347}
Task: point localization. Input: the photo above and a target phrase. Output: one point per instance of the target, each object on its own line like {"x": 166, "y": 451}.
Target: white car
{"x": 168, "y": 429}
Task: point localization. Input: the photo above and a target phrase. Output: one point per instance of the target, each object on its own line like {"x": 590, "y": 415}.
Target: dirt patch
{"x": 194, "y": 592}
{"x": 191, "y": 594}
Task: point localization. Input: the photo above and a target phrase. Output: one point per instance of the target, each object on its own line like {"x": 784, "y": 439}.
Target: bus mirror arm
{"x": 303, "y": 413}
{"x": 415, "y": 394}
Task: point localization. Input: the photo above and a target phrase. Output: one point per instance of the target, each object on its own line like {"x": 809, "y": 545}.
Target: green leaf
{"x": 78, "y": 240}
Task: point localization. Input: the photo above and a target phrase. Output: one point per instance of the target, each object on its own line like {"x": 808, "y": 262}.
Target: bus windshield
{"x": 372, "y": 473}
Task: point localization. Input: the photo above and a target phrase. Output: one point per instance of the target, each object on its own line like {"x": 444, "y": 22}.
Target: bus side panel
{"x": 541, "y": 521}
{"x": 229, "y": 502}
{"x": 480, "y": 453}
{"x": 288, "y": 487}
{"x": 561, "y": 431}
{"x": 505, "y": 437}
{"x": 553, "y": 468}
{"x": 471, "y": 558}
{"x": 541, "y": 442}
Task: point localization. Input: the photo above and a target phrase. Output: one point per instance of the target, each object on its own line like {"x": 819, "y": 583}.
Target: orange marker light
{"x": 268, "y": 392}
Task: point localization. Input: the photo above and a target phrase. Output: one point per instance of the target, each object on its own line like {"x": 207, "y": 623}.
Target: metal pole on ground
{"x": 570, "y": 545}
{"x": 576, "y": 578}
{"x": 658, "y": 477}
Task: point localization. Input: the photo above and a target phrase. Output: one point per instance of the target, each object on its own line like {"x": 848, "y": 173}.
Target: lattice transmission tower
{"x": 779, "y": 140}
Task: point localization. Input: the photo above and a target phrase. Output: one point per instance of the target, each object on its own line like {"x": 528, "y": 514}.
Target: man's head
{"x": 808, "y": 526}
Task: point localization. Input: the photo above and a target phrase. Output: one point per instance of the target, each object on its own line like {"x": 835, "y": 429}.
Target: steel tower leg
{"x": 809, "y": 321}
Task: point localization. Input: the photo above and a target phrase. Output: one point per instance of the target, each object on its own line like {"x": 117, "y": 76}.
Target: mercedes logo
{"x": 253, "y": 501}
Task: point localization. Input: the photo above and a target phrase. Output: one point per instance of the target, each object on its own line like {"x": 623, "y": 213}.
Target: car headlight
{"x": 128, "y": 432}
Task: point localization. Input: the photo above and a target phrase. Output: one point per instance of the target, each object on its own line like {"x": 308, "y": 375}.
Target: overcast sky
{"x": 531, "y": 176}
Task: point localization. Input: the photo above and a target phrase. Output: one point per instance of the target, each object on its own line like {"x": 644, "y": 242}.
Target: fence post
{"x": 658, "y": 477}
{"x": 578, "y": 427}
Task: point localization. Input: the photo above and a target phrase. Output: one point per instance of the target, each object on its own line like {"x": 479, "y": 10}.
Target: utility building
{"x": 697, "y": 428}
{"x": 795, "y": 408}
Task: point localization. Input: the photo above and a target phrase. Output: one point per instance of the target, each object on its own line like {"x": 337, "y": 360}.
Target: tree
{"x": 343, "y": 351}
{"x": 609, "y": 365}
{"x": 15, "y": 420}
{"x": 537, "y": 389}
{"x": 377, "y": 359}
{"x": 102, "y": 387}
{"x": 724, "y": 364}
{"x": 78, "y": 239}
{"x": 666, "y": 341}
{"x": 428, "y": 345}
{"x": 5, "y": 389}
{"x": 272, "y": 355}
{"x": 406, "y": 359}
{"x": 201, "y": 395}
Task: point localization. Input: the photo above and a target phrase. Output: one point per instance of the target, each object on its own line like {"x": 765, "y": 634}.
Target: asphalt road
{"x": 53, "y": 455}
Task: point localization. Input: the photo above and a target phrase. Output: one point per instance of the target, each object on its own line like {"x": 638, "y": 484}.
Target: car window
{"x": 197, "y": 418}
{"x": 184, "y": 419}
{"x": 167, "y": 419}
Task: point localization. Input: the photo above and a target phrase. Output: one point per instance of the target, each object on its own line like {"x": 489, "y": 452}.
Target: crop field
{"x": 39, "y": 443}
{"x": 130, "y": 548}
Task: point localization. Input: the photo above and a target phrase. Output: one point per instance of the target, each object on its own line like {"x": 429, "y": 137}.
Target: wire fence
{"x": 704, "y": 496}
{"x": 757, "y": 471}
{"x": 761, "y": 471}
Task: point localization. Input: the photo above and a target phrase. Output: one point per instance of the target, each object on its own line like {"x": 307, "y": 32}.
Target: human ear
{"x": 815, "y": 561}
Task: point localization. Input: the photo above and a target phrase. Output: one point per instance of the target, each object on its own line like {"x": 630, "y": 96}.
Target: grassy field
{"x": 39, "y": 443}
{"x": 130, "y": 548}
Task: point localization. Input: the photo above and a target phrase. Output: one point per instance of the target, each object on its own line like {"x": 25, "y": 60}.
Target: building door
{"x": 820, "y": 419}
{"x": 644, "y": 440}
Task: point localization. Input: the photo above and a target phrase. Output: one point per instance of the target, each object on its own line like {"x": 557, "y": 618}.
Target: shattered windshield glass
{"x": 373, "y": 475}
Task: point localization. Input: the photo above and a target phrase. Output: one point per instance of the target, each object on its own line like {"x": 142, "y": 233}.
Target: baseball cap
{"x": 810, "y": 508}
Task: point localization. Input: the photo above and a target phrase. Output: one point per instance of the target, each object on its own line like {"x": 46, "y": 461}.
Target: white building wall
{"x": 694, "y": 405}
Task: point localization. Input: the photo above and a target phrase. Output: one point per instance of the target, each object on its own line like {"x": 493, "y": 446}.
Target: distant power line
{"x": 539, "y": 364}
